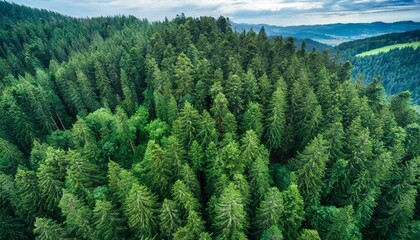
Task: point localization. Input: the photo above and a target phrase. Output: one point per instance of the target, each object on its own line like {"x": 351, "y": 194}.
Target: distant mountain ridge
{"x": 332, "y": 34}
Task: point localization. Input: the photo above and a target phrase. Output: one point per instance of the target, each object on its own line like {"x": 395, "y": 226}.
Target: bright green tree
{"x": 309, "y": 234}
{"x": 253, "y": 119}
{"x": 169, "y": 218}
{"x": 270, "y": 210}
{"x": 230, "y": 221}
{"x": 107, "y": 222}
{"x": 78, "y": 215}
{"x": 48, "y": 229}
{"x": 293, "y": 213}
{"x": 276, "y": 121}
{"x": 187, "y": 125}
{"x": 140, "y": 210}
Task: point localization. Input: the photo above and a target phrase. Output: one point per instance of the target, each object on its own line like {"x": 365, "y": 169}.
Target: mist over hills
{"x": 332, "y": 34}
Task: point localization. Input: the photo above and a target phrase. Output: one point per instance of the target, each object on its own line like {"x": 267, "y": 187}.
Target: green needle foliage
{"x": 120, "y": 128}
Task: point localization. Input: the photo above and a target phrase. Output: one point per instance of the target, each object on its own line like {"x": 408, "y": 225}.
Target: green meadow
{"x": 388, "y": 48}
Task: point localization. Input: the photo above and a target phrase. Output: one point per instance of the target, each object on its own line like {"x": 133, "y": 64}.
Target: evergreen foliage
{"x": 117, "y": 128}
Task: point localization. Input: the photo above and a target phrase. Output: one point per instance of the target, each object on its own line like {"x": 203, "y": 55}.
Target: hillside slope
{"x": 398, "y": 68}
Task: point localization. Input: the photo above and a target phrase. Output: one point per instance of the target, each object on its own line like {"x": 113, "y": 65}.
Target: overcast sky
{"x": 277, "y": 12}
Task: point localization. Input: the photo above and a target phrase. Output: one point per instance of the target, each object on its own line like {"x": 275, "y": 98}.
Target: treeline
{"x": 30, "y": 38}
{"x": 184, "y": 129}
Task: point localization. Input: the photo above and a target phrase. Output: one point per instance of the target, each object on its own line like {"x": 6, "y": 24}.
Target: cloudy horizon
{"x": 278, "y": 12}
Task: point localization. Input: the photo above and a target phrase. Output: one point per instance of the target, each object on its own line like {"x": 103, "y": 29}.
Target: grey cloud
{"x": 274, "y": 12}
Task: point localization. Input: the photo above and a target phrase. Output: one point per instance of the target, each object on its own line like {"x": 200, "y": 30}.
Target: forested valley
{"x": 120, "y": 128}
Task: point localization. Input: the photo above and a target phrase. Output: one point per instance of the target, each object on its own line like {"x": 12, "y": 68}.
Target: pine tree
{"x": 293, "y": 212}
{"x": 29, "y": 194}
{"x": 256, "y": 159}
{"x": 233, "y": 90}
{"x": 403, "y": 111}
{"x": 82, "y": 176}
{"x": 156, "y": 169}
{"x": 87, "y": 91}
{"x": 10, "y": 157}
{"x": 48, "y": 229}
{"x": 306, "y": 112}
{"x": 310, "y": 169}
{"x": 309, "y": 234}
{"x": 170, "y": 219}
{"x": 208, "y": 132}
{"x": 103, "y": 85}
{"x": 78, "y": 215}
{"x": 129, "y": 103}
{"x": 276, "y": 121}
{"x": 231, "y": 220}
{"x": 176, "y": 156}
{"x": 51, "y": 175}
{"x": 183, "y": 76}
{"x": 270, "y": 210}
{"x": 184, "y": 197}
{"x": 196, "y": 157}
{"x": 120, "y": 181}
{"x": 186, "y": 126}
{"x": 219, "y": 109}
{"x": 253, "y": 119}
{"x": 342, "y": 226}
{"x": 107, "y": 222}
{"x": 272, "y": 233}
{"x": 140, "y": 210}
{"x": 250, "y": 87}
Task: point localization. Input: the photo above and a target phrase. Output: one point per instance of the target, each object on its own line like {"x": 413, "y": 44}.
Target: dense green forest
{"x": 117, "y": 128}
{"x": 399, "y": 69}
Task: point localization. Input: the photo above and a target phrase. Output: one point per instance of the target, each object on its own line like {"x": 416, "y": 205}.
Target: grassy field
{"x": 388, "y": 48}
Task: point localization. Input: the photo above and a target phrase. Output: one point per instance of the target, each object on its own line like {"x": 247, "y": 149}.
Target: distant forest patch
{"x": 386, "y": 49}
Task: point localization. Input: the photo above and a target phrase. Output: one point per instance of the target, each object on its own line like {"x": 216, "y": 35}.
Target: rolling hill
{"x": 333, "y": 34}
{"x": 393, "y": 57}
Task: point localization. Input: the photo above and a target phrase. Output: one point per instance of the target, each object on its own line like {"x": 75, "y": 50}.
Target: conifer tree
{"x": 186, "y": 126}
{"x": 106, "y": 220}
{"x": 272, "y": 233}
{"x": 48, "y": 229}
{"x": 293, "y": 213}
{"x": 140, "y": 210}
{"x": 276, "y": 121}
{"x": 51, "y": 175}
{"x": 29, "y": 194}
{"x": 250, "y": 87}
{"x": 309, "y": 234}
{"x": 230, "y": 221}
{"x": 270, "y": 210}
{"x": 10, "y": 157}
{"x": 310, "y": 169}
{"x": 306, "y": 112}
{"x": 169, "y": 218}
{"x": 120, "y": 181}
{"x": 233, "y": 90}
{"x": 78, "y": 215}
{"x": 183, "y": 76}
{"x": 253, "y": 119}
{"x": 156, "y": 170}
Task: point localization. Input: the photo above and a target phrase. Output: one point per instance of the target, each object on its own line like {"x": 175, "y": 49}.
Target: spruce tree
{"x": 140, "y": 210}
{"x": 310, "y": 169}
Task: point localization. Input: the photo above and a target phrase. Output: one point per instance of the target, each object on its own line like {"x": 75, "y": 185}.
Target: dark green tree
{"x": 310, "y": 168}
